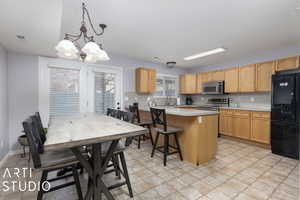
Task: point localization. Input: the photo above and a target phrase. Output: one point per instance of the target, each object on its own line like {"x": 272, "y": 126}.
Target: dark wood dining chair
{"x": 50, "y": 161}
{"x": 147, "y": 124}
{"x": 159, "y": 117}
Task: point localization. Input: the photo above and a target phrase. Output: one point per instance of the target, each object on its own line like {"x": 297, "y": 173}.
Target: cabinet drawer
{"x": 265, "y": 115}
{"x": 241, "y": 113}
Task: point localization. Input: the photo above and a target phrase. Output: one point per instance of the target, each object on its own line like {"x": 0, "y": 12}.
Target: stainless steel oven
{"x": 215, "y": 87}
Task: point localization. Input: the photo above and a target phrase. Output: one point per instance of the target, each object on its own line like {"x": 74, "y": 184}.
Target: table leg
{"x": 96, "y": 169}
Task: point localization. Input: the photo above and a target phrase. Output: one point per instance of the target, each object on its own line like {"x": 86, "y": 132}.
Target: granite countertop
{"x": 250, "y": 108}
{"x": 183, "y": 112}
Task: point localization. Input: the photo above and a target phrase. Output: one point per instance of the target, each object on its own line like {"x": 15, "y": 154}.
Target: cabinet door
{"x": 287, "y": 63}
{"x": 231, "y": 80}
{"x": 199, "y": 83}
{"x": 228, "y": 125}
{"x": 191, "y": 81}
{"x": 141, "y": 80}
{"x": 241, "y": 127}
{"x": 264, "y": 73}
{"x": 207, "y": 77}
{"x": 222, "y": 126}
{"x": 260, "y": 130}
{"x": 247, "y": 78}
{"x": 218, "y": 75}
{"x": 151, "y": 80}
{"x": 182, "y": 84}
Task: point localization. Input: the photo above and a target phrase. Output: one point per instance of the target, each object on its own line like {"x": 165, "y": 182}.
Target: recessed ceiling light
{"x": 21, "y": 37}
{"x": 156, "y": 58}
{"x": 206, "y": 53}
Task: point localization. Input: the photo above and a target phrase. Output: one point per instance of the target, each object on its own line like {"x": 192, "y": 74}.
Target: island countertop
{"x": 183, "y": 112}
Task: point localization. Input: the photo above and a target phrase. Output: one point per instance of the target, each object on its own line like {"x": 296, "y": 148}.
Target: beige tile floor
{"x": 240, "y": 171}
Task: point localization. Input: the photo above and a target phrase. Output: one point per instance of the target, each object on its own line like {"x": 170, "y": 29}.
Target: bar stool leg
{"x": 166, "y": 148}
{"x": 150, "y": 134}
{"x": 178, "y": 146}
{"x": 43, "y": 179}
{"x": 155, "y": 144}
{"x": 77, "y": 182}
{"x": 139, "y": 143}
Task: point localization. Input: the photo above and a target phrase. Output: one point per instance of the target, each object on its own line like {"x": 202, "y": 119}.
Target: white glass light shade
{"x": 68, "y": 55}
{"x": 91, "y": 48}
{"x": 66, "y": 47}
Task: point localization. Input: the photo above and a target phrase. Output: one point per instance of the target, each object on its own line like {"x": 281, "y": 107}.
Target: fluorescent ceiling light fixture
{"x": 206, "y": 53}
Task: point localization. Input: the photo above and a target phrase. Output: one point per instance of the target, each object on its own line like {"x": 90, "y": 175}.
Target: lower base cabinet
{"x": 249, "y": 125}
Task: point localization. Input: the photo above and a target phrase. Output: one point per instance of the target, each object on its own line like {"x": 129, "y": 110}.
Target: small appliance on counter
{"x": 285, "y": 114}
{"x": 188, "y": 100}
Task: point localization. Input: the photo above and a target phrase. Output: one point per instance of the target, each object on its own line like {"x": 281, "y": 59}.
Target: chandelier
{"x": 91, "y": 52}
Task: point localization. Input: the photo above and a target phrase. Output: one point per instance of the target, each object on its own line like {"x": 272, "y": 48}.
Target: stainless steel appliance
{"x": 215, "y": 87}
{"x": 188, "y": 100}
{"x": 285, "y": 117}
{"x": 215, "y": 104}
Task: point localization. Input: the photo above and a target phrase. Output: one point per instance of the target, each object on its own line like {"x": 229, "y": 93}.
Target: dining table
{"x": 90, "y": 130}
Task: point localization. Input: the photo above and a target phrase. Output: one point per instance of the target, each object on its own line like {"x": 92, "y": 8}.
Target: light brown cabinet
{"x": 225, "y": 122}
{"x": 241, "y": 124}
{"x": 260, "y": 127}
{"x": 218, "y": 75}
{"x": 247, "y": 78}
{"x": 231, "y": 80}
{"x": 145, "y": 80}
{"x": 287, "y": 63}
{"x": 206, "y": 77}
{"x": 188, "y": 83}
{"x": 199, "y": 83}
{"x": 264, "y": 72}
{"x": 249, "y": 125}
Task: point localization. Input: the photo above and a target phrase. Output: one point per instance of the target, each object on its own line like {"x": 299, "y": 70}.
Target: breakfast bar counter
{"x": 198, "y": 140}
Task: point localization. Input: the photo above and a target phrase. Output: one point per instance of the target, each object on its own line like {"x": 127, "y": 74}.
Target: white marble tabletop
{"x": 85, "y": 129}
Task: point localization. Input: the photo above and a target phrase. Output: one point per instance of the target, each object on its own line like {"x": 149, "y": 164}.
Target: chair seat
{"x": 169, "y": 130}
{"x": 144, "y": 123}
{"x": 58, "y": 159}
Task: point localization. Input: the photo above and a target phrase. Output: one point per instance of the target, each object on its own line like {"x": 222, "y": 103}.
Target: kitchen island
{"x": 198, "y": 141}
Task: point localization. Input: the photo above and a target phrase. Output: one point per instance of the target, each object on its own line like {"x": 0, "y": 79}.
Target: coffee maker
{"x": 188, "y": 100}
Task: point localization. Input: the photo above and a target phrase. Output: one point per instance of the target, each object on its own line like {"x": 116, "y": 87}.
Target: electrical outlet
{"x": 252, "y": 99}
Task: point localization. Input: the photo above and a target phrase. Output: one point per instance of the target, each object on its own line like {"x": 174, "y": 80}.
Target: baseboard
{"x": 4, "y": 159}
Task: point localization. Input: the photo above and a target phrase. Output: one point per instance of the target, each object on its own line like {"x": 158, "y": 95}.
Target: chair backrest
{"x": 159, "y": 117}
{"x": 114, "y": 113}
{"x": 135, "y": 110}
{"x": 128, "y": 117}
{"x": 40, "y": 127}
{"x": 33, "y": 142}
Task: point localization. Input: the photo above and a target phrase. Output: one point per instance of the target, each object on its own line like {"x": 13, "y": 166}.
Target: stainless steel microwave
{"x": 215, "y": 87}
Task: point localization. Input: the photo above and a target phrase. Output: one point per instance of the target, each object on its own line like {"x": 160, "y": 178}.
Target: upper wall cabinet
{"x": 287, "y": 63}
{"x": 264, "y": 72}
{"x": 247, "y": 78}
{"x": 199, "y": 83}
{"x": 145, "y": 80}
{"x": 188, "y": 83}
{"x": 218, "y": 75}
{"x": 207, "y": 77}
{"x": 231, "y": 80}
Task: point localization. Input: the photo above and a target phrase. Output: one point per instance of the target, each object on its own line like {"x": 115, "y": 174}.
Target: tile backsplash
{"x": 143, "y": 99}
{"x": 243, "y": 100}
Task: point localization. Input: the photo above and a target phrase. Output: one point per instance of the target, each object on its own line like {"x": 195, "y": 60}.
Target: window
{"x": 64, "y": 92}
{"x": 105, "y": 91}
{"x": 166, "y": 85}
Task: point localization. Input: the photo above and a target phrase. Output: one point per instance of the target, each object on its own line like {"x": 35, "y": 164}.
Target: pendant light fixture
{"x": 91, "y": 52}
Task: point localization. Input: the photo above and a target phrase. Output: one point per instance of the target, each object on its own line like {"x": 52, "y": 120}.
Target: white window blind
{"x": 64, "y": 92}
{"x": 105, "y": 91}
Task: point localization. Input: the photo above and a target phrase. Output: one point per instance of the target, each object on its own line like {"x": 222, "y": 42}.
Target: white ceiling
{"x": 168, "y": 29}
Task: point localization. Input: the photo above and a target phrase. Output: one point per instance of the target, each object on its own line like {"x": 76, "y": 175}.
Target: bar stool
{"x": 147, "y": 124}
{"x": 159, "y": 118}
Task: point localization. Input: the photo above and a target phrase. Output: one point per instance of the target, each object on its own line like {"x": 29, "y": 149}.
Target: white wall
{"x": 22, "y": 92}
{"x": 4, "y": 134}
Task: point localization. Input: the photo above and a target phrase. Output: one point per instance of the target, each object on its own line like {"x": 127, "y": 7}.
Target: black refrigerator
{"x": 285, "y": 114}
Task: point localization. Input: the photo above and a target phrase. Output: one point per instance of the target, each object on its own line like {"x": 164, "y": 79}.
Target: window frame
{"x": 164, "y": 77}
